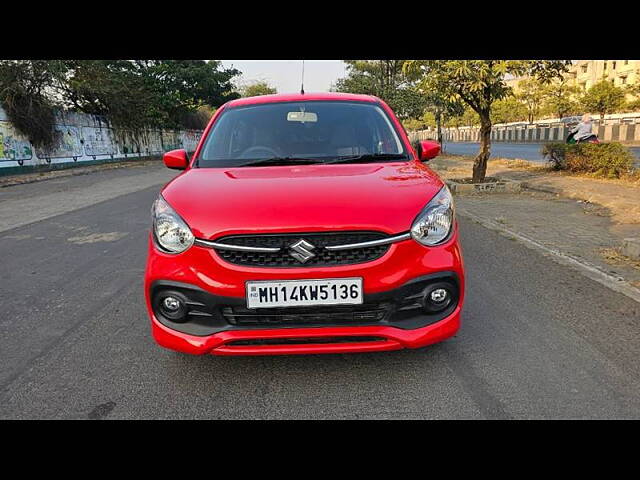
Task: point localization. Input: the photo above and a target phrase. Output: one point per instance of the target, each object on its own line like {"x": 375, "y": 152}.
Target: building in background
{"x": 585, "y": 73}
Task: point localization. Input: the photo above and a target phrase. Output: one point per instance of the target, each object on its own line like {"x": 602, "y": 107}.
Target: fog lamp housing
{"x": 172, "y": 305}
{"x": 438, "y": 297}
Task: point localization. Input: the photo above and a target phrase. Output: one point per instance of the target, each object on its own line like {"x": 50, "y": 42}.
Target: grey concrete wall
{"x": 621, "y": 132}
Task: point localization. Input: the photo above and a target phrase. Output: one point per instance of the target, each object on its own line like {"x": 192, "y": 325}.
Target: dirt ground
{"x": 620, "y": 198}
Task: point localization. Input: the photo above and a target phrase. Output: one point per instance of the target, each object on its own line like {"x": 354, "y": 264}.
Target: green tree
{"x": 427, "y": 120}
{"x": 116, "y": 89}
{"x": 560, "y": 98}
{"x": 531, "y": 94}
{"x": 471, "y": 117}
{"x": 479, "y": 83}
{"x": 384, "y": 79}
{"x": 25, "y": 95}
{"x": 507, "y": 110}
{"x": 468, "y": 118}
{"x": 258, "y": 88}
{"x": 442, "y": 109}
{"x": 132, "y": 94}
{"x": 604, "y": 98}
{"x": 373, "y": 77}
{"x": 407, "y": 103}
{"x": 633, "y": 105}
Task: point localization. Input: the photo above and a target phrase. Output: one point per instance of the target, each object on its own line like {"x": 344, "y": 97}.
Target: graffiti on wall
{"x": 153, "y": 142}
{"x": 171, "y": 140}
{"x": 13, "y": 148}
{"x": 99, "y": 141}
{"x": 190, "y": 140}
{"x": 129, "y": 142}
{"x": 85, "y": 138}
{"x": 69, "y": 144}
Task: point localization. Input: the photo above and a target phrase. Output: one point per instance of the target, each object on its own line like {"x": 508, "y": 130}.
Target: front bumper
{"x": 251, "y": 342}
{"x": 216, "y": 285}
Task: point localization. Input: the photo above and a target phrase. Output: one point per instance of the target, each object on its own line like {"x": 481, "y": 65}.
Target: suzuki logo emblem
{"x": 301, "y": 251}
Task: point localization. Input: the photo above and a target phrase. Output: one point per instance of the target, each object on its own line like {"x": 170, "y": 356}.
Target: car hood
{"x": 382, "y": 197}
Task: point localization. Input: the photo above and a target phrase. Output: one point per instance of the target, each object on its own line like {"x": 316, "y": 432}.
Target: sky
{"x": 285, "y": 75}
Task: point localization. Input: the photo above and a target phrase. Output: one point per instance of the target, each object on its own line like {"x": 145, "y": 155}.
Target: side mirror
{"x": 176, "y": 159}
{"x": 427, "y": 149}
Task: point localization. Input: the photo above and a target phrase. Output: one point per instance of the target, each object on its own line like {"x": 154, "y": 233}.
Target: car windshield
{"x": 301, "y": 132}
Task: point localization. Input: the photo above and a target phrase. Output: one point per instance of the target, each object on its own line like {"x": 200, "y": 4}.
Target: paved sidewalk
{"x": 585, "y": 219}
{"x": 575, "y": 229}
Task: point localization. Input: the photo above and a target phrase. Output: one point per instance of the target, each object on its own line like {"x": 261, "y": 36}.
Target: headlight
{"x": 433, "y": 225}
{"x": 171, "y": 233}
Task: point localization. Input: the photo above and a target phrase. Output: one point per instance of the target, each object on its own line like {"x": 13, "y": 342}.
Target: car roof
{"x": 299, "y": 97}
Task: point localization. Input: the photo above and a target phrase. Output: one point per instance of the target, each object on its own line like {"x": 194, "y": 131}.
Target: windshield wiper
{"x": 279, "y": 161}
{"x": 368, "y": 157}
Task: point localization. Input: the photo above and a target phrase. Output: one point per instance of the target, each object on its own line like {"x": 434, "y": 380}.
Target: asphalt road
{"x": 524, "y": 151}
{"x": 538, "y": 340}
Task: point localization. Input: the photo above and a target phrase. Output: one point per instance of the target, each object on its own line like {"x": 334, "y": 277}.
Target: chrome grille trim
{"x": 241, "y": 248}
{"x": 372, "y": 243}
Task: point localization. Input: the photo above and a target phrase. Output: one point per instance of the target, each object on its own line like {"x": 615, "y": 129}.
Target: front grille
{"x": 333, "y": 315}
{"x": 283, "y": 258}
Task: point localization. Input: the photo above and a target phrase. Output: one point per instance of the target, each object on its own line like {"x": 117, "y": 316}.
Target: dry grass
{"x": 516, "y": 164}
{"x": 631, "y": 179}
{"x": 613, "y": 257}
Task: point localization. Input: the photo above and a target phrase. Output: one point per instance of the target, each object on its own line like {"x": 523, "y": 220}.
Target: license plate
{"x": 303, "y": 293}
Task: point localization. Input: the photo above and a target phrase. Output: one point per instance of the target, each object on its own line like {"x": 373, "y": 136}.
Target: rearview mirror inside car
{"x": 302, "y": 117}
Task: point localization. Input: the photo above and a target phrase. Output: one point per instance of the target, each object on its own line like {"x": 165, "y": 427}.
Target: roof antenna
{"x": 302, "y": 87}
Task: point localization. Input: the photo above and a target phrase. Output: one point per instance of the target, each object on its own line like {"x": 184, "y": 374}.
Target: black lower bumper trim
{"x": 208, "y": 314}
{"x": 304, "y": 341}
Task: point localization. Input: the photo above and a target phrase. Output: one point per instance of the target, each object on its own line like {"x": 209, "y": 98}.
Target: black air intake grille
{"x": 305, "y": 341}
{"x": 338, "y": 314}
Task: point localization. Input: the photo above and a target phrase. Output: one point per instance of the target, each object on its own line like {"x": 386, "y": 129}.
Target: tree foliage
{"x": 427, "y": 120}
{"x": 603, "y": 98}
{"x": 633, "y": 105}
{"x": 131, "y": 94}
{"x": 468, "y": 118}
{"x": 257, "y": 88}
{"x": 384, "y": 79}
{"x": 531, "y": 93}
{"x": 25, "y": 98}
{"x": 560, "y": 98}
{"x": 507, "y": 110}
{"x": 147, "y": 93}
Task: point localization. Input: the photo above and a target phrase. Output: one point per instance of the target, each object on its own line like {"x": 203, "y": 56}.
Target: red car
{"x": 304, "y": 223}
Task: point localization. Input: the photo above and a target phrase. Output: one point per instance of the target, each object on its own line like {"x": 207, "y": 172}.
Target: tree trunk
{"x": 439, "y": 127}
{"x": 480, "y": 162}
